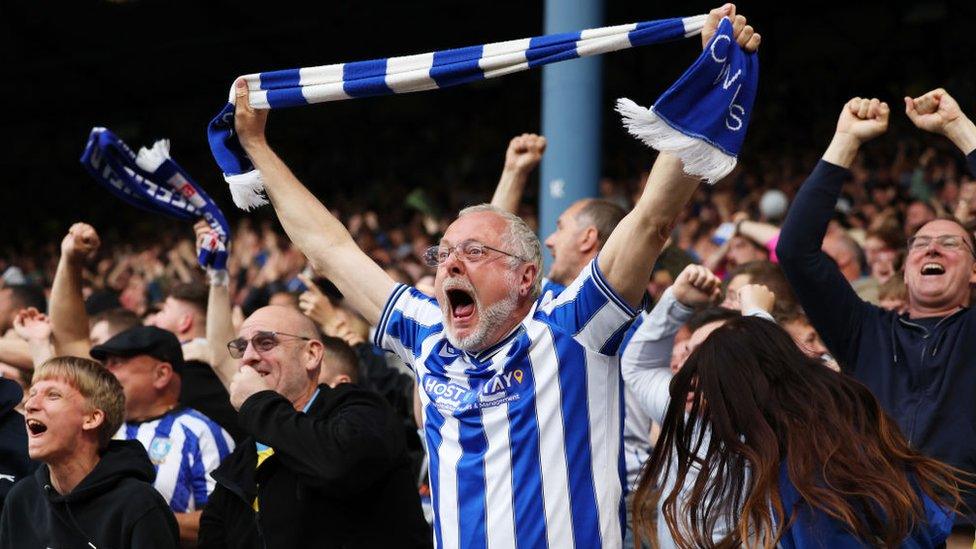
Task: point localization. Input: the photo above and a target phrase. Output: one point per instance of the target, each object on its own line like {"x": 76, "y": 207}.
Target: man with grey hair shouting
{"x": 521, "y": 400}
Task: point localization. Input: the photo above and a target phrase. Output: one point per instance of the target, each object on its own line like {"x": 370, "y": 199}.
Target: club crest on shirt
{"x": 453, "y": 398}
{"x": 158, "y": 449}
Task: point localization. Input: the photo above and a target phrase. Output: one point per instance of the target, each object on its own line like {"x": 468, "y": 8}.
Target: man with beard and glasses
{"x": 517, "y": 396}
{"x": 920, "y": 364}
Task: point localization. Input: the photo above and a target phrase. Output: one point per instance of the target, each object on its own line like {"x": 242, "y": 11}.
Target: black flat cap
{"x": 142, "y": 340}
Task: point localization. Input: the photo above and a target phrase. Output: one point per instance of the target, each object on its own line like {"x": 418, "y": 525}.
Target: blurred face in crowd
{"x": 939, "y": 275}
{"x": 143, "y": 378}
{"x": 872, "y": 247}
{"x": 291, "y": 366}
{"x": 479, "y": 298}
{"x": 916, "y": 215}
{"x": 742, "y": 250}
{"x": 564, "y": 245}
{"x": 175, "y": 316}
{"x": 57, "y": 418}
{"x": 100, "y": 332}
{"x": 732, "y": 291}
{"x": 806, "y": 338}
{"x": 883, "y": 266}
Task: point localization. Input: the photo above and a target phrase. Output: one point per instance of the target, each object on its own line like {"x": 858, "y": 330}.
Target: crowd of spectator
{"x": 799, "y": 371}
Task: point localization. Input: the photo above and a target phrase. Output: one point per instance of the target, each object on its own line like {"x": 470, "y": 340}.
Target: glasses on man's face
{"x": 471, "y": 251}
{"x": 949, "y": 242}
{"x": 262, "y": 342}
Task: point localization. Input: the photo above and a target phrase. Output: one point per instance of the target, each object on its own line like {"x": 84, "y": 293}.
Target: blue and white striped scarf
{"x": 151, "y": 180}
{"x": 701, "y": 118}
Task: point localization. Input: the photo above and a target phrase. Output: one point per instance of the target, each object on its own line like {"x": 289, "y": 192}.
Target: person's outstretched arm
{"x": 69, "y": 320}
{"x": 825, "y": 294}
{"x": 629, "y": 254}
{"x": 523, "y": 155}
{"x": 645, "y": 362}
{"x": 220, "y": 324}
{"x": 938, "y": 112}
{"x": 318, "y": 234}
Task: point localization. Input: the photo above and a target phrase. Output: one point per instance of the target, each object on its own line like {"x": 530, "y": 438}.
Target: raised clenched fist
{"x": 696, "y": 286}
{"x": 525, "y": 152}
{"x": 756, "y": 296}
{"x": 81, "y": 243}
{"x": 863, "y": 119}
{"x": 935, "y": 112}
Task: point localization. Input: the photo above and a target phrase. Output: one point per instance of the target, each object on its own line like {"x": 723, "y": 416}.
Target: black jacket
{"x": 339, "y": 478}
{"x": 202, "y": 390}
{"x": 14, "y": 463}
{"x": 114, "y": 507}
{"x": 923, "y": 371}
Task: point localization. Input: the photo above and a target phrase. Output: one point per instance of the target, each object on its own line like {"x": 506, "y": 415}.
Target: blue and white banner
{"x": 151, "y": 180}
{"x": 426, "y": 71}
{"x": 702, "y": 118}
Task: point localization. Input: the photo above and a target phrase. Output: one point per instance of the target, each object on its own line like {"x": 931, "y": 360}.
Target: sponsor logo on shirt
{"x": 453, "y": 398}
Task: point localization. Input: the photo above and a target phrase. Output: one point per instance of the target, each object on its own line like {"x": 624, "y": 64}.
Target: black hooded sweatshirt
{"x": 14, "y": 463}
{"x": 114, "y": 507}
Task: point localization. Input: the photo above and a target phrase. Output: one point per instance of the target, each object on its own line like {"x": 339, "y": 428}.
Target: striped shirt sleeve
{"x": 408, "y": 318}
{"x": 590, "y": 310}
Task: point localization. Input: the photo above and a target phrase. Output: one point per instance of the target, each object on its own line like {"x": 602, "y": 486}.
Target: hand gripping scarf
{"x": 702, "y": 118}
{"x": 151, "y": 180}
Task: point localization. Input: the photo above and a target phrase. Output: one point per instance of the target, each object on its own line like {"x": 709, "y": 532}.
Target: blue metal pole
{"x": 572, "y": 109}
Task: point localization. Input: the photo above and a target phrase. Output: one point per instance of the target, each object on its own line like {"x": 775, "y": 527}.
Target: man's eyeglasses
{"x": 262, "y": 342}
{"x": 470, "y": 251}
{"x": 950, "y": 242}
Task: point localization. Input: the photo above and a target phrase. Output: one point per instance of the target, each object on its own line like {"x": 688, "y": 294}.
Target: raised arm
{"x": 34, "y": 327}
{"x": 938, "y": 112}
{"x": 69, "y": 321}
{"x": 310, "y": 226}
{"x": 631, "y": 250}
{"x": 757, "y": 231}
{"x": 220, "y": 326}
{"x": 646, "y": 360}
{"x": 824, "y": 293}
{"x": 523, "y": 155}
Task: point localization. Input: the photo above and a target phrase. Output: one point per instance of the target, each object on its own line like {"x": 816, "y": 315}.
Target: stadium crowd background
{"x": 395, "y": 170}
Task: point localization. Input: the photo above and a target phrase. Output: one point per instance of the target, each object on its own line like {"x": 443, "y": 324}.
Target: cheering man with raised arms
{"x": 520, "y": 401}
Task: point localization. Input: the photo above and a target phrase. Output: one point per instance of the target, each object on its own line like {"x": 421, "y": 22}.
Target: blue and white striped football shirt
{"x": 524, "y": 437}
{"x": 185, "y": 446}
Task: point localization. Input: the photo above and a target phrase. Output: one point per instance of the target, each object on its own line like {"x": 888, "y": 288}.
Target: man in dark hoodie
{"x": 90, "y": 491}
{"x": 921, "y": 365}
{"x": 14, "y": 462}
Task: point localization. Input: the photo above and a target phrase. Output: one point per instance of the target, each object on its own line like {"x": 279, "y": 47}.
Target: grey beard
{"x": 490, "y": 318}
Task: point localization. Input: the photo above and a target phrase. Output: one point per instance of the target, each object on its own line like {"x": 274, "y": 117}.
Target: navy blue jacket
{"x": 923, "y": 371}
{"x": 14, "y": 463}
{"x": 815, "y": 529}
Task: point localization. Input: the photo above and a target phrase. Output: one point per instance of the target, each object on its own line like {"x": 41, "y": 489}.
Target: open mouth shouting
{"x": 35, "y": 427}
{"x": 461, "y": 302}
{"x": 461, "y": 305}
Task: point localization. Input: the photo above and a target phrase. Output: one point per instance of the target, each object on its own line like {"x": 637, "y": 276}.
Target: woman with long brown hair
{"x": 785, "y": 452}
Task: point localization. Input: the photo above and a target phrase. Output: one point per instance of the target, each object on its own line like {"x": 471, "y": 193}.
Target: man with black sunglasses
{"x": 919, "y": 364}
{"x": 324, "y": 466}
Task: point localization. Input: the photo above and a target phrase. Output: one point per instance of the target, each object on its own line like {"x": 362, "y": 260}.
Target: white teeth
{"x": 932, "y": 268}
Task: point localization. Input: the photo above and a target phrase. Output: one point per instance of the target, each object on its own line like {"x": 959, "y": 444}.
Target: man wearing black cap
{"x": 183, "y": 444}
